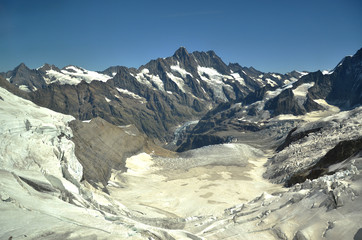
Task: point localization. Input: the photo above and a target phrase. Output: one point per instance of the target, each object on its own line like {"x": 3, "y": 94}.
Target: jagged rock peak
{"x": 47, "y": 67}
{"x": 211, "y": 53}
{"x": 357, "y": 56}
{"x": 181, "y": 52}
{"x": 22, "y": 66}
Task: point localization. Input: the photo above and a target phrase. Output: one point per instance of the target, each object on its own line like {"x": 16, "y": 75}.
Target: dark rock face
{"x": 23, "y": 76}
{"x": 342, "y": 87}
{"x": 339, "y": 153}
{"x": 284, "y": 103}
{"x": 256, "y": 96}
{"x": 358, "y": 235}
{"x": 347, "y": 82}
{"x": 12, "y": 88}
{"x": 47, "y": 67}
{"x": 210, "y": 59}
{"x": 101, "y": 147}
{"x": 185, "y": 59}
{"x": 291, "y": 137}
{"x": 154, "y": 116}
{"x": 322, "y": 84}
{"x": 200, "y": 140}
{"x": 310, "y": 105}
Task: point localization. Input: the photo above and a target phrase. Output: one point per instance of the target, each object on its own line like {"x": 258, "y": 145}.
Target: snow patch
{"x": 129, "y": 93}
{"x": 74, "y": 75}
{"x": 300, "y": 93}
{"x": 215, "y": 81}
{"x": 271, "y": 82}
{"x": 139, "y": 164}
{"x": 157, "y": 81}
{"x": 302, "y": 73}
{"x": 179, "y": 81}
{"x": 148, "y": 79}
{"x": 24, "y": 88}
{"x": 238, "y": 78}
{"x": 327, "y": 72}
{"x": 180, "y": 70}
{"x": 141, "y": 77}
{"x": 276, "y": 76}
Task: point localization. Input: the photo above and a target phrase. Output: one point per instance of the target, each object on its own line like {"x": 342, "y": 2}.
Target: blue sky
{"x": 272, "y": 36}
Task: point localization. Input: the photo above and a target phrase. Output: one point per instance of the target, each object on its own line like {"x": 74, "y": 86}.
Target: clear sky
{"x": 270, "y": 35}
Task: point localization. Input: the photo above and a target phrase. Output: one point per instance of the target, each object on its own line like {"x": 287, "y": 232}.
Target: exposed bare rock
{"x": 101, "y": 147}
{"x": 284, "y": 103}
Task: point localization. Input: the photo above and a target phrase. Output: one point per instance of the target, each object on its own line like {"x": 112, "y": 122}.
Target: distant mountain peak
{"x": 22, "y": 66}
{"x": 181, "y": 52}
{"x": 47, "y": 67}
{"x": 211, "y": 53}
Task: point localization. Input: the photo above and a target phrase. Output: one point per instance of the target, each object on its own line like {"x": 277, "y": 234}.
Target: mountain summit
{"x": 181, "y": 53}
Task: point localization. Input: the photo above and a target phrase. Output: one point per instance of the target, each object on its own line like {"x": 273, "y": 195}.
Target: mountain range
{"x": 162, "y": 94}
